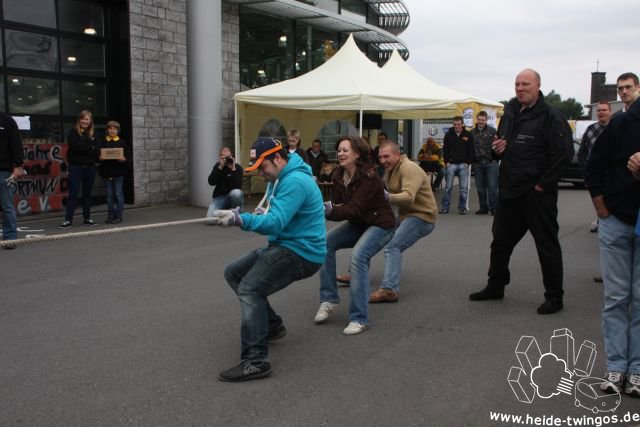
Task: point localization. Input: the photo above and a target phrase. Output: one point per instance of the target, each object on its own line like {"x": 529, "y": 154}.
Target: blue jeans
{"x": 253, "y": 278}
{"x": 231, "y": 200}
{"x": 365, "y": 243}
{"x": 620, "y": 265}
{"x": 410, "y": 230}
{"x": 487, "y": 184}
{"x": 462, "y": 171}
{"x": 115, "y": 196}
{"x": 9, "y": 220}
{"x": 80, "y": 175}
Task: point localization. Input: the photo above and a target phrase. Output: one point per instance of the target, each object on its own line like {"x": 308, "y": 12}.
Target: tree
{"x": 571, "y": 108}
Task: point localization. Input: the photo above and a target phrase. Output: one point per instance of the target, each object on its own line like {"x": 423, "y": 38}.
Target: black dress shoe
{"x": 488, "y": 293}
{"x": 482, "y": 212}
{"x": 246, "y": 370}
{"x": 550, "y": 307}
{"x": 277, "y": 333}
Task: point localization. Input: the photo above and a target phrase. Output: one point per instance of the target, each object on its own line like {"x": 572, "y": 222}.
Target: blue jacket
{"x": 295, "y": 215}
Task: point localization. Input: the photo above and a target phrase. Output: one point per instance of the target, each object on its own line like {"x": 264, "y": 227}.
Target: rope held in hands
{"x": 38, "y": 239}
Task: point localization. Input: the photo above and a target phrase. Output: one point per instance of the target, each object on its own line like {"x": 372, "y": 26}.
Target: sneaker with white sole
{"x": 323, "y": 312}
{"x": 613, "y": 382}
{"x": 633, "y": 385}
{"x": 354, "y": 328}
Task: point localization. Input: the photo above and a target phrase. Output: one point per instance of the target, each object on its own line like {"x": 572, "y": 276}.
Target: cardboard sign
{"x": 111, "y": 154}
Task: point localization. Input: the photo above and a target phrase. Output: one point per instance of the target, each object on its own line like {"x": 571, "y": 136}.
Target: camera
{"x": 229, "y": 161}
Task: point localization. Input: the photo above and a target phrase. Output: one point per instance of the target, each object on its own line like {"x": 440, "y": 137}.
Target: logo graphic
{"x": 433, "y": 131}
{"x": 559, "y": 371}
{"x": 467, "y": 117}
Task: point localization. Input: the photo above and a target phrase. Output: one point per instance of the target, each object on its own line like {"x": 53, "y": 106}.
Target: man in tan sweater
{"x": 410, "y": 191}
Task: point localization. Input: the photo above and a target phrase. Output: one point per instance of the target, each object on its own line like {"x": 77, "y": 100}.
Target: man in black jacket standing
{"x": 612, "y": 175}
{"x": 458, "y": 155}
{"x": 226, "y": 175}
{"x": 11, "y": 156}
{"x": 535, "y": 146}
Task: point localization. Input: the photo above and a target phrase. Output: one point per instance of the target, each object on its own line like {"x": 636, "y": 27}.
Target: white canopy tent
{"x": 342, "y": 88}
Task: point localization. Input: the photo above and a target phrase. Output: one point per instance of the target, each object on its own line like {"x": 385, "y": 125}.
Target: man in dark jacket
{"x": 11, "y": 156}
{"x": 316, "y": 157}
{"x": 612, "y": 174}
{"x": 485, "y": 166}
{"x": 226, "y": 175}
{"x": 535, "y": 146}
{"x": 458, "y": 155}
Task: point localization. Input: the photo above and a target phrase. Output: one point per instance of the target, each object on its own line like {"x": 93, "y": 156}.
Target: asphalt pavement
{"x": 132, "y": 328}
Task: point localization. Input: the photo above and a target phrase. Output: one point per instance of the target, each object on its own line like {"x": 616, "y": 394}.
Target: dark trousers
{"x": 536, "y": 212}
{"x": 80, "y": 175}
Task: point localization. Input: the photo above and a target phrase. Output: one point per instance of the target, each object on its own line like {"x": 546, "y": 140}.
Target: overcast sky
{"x": 478, "y": 47}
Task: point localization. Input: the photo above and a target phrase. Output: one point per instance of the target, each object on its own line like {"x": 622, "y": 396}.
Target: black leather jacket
{"x": 539, "y": 148}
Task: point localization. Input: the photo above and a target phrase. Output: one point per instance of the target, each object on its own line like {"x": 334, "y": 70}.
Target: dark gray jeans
{"x": 253, "y": 278}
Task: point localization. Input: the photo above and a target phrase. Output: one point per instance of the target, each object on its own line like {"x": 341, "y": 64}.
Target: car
{"x": 574, "y": 174}
{"x": 588, "y": 395}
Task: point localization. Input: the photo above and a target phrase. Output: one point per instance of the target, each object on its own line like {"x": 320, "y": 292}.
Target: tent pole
{"x": 360, "y": 122}
{"x": 236, "y": 137}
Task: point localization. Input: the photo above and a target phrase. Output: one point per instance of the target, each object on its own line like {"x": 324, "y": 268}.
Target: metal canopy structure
{"x": 393, "y": 19}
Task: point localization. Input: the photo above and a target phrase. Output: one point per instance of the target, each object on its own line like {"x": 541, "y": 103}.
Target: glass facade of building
{"x": 60, "y": 57}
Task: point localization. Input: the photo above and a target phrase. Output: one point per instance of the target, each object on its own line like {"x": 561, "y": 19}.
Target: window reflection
{"x": 42, "y": 132}
{"x": 82, "y": 58}
{"x": 33, "y": 96}
{"x": 78, "y": 96}
{"x": 266, "y": 50}
{"x": 3, "y": 107}
{"x": 34, "y": 12}
{"x": 31, "y": 51}
{"x": 81, "y": 16}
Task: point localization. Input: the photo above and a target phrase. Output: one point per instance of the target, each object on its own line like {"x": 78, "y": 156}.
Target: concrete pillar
{"x": 204, "y": 61}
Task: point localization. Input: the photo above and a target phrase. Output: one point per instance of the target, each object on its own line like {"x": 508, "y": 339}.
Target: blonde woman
{"x": 82, "y": 156}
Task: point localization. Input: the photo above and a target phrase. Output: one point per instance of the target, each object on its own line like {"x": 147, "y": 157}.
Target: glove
{"x": 328, "y": 207}
{"x": 226, "y": 218}
{"x": 387, "y": 196}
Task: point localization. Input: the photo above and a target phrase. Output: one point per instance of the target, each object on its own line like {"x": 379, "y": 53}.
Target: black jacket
{"x": 225, "y": 179}
{"x": 458, "y": 149}
{"x": 606, "y": 170}
{"x": 11, "y": 153}
{"x": 482, "y": 141}
{"x": 113, "y": 168}
{"x": 316, "y": 161}
{"x": 83, "y": 149}
{"x": 539, "y": 148}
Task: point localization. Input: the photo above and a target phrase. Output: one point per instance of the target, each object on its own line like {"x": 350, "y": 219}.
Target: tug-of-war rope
{"x": 92, "y": 233}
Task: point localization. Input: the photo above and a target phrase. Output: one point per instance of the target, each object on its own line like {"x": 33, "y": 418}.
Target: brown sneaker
{"x": 344, "y": 278}
{"x": 384, "y": 295}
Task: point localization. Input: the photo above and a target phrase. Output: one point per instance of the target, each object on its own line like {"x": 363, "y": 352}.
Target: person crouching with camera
{"x": 226, "y": 176}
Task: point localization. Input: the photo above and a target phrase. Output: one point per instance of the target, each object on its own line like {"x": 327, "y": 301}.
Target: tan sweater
{"x": 410, "y": 190}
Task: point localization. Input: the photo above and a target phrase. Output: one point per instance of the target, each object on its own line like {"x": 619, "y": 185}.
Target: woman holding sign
{"x": 82, "y": 156}
{"x": 113, "y": 168}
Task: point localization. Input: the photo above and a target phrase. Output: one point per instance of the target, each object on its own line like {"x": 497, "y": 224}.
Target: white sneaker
{"x": 354, "y": 328}
{"x": 323, "y": 312}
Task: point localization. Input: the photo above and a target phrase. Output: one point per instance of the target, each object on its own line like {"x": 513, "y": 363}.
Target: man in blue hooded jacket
{"x": 292, "y": 216}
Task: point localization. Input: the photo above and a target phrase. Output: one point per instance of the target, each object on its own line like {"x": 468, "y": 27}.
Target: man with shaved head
{"x": 534, "y": 145}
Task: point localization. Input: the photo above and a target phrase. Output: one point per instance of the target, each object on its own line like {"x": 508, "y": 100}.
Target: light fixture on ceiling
{"x": 15, "y": 81}
{"x": 72, "y": 59}
{"x": 90, "y": 31}
{"x": 261, "y": 73}
{"x": 282, "y": 41}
